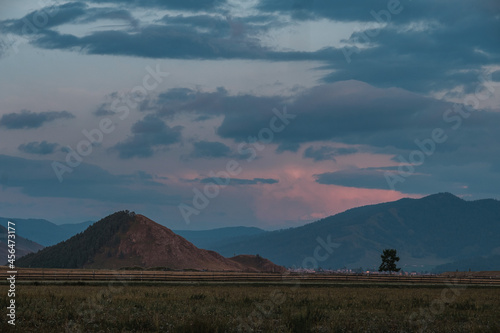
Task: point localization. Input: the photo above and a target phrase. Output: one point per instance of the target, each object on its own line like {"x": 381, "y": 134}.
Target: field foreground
{"x": 115, "y": 307}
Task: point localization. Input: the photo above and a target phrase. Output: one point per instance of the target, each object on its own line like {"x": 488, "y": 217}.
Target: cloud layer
{"x": 38, "y": 148}
{"x": 27, "y": 119}
{"x": 148, "y": 134}
{"x": 317, "y": 102}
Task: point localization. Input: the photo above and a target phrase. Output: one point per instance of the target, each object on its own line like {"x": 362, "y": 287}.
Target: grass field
{"x": 258, "y": 308}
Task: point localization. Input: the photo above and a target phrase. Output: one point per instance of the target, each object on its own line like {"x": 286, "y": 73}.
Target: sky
{"x": 265, "y": 113}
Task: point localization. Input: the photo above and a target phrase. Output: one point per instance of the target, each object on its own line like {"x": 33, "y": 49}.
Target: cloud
{"x": 46, "y": 18}
{"x": 202, "y": 36}
{"x": 371, "y": 178}
{"x": 400, "y": 12}
{"x": 414, "y": 49}
{"x": 310, "y": 10}
{"x": 324, "y": 153}
{"x": 148, "y": 135}
{"x": 495, "y": 76}
{"x": 28, "y": 119}
{"x": 397, "y": 49}
{"x": 349, "y": 112}
{"x": 103, "y": 110}
{"x": 36, "y": 178}
{"x": 239, "y": 181}
{"x": 187, "y": 5}
{"x": 156, "y": 41}
{"x": 209, "y": 149}
{"x": 471, "y": 179}
{"x": 38, "y": 148}
{"x": 386, "y": 121}
{"x": 288, "y": 146}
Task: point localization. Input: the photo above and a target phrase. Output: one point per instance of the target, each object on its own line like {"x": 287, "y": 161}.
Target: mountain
{"x": 43, "y": 231}
{"x": 490, "y": 263}
{"x": 23, "y": 246}
{"x": 206, "y": 239}
{"x": 426, "y": 232}
{"x": 257, "y": 264}
{"x": 125, "y": 239}
{"x": 72, "y": 229}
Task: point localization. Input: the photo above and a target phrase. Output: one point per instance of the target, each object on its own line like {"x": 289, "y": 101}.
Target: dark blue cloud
{"x": 473, "y": 180}
{"x": 183, "y": 37}
{"x": 400, "y": 11}
{"x": 187, "y": 5}
{"x": 38, "y": 148}
{"x": 422, "y": 61}
{"x": 28, "y": 119}
{"x": 148, "y": 134}
{"x": 209, "y": 149}
{"x": 45, "y": 18}
{"x": 324, "y": 153}
{"x": 422, "y": 46}
{"x": 156, "y": 41}
{"x": 334, "y": 10}
{"x": 385, "y": 121}
{"x": 349, "y": 112}
{"x": 103, "y": 110}
{"x": 36, "y": 178}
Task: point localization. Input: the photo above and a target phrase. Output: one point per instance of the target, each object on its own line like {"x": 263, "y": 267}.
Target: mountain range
{"x": 208, "y": 239}
{"x": 438, "y": 232}
{"x": 44, "y": 232}
{"x": 427, "y": 232}
{"x": 22, "y": 245}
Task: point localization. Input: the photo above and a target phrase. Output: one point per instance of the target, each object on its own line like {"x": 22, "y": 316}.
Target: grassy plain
{"x": 78, "y": 307}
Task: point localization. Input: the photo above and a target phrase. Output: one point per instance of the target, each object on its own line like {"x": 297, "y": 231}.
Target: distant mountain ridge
{"x": 125, "y": 239}
{"x": 48, "y": 233}
{"x": 206, "y": 239}
{"x": 430, "y": 233}
{"x": 45, "y": 232}
{"x": 427, "y": 232}
{"x": 22, "y": 247}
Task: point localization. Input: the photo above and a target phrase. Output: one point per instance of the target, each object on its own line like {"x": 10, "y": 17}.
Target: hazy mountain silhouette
{"x": 45, "y": 232}
{"x": 427, "y": 232}
{"x": 206, "y": 239}
{"x": 23, "y": 246}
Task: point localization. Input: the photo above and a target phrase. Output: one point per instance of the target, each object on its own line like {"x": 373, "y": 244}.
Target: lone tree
{"x": 389, "y": 259}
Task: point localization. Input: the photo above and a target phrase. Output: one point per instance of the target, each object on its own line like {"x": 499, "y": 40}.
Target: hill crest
{"x": 126, "y": 239}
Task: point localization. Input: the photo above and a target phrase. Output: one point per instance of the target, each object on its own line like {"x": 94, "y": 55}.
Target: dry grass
{"x": 225, "y": 308}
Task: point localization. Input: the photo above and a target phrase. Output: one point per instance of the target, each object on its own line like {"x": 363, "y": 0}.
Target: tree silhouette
{"x": 389, "y": 259}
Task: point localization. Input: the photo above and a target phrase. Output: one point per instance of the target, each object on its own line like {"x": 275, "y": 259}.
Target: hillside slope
{"x": 427, "y": 232}
{"x": 23, "y": 246}
{"x": 126, "y": 239}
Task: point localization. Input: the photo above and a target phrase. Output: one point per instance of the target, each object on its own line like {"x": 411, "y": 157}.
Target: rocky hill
{"x": 126, "y": 239}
